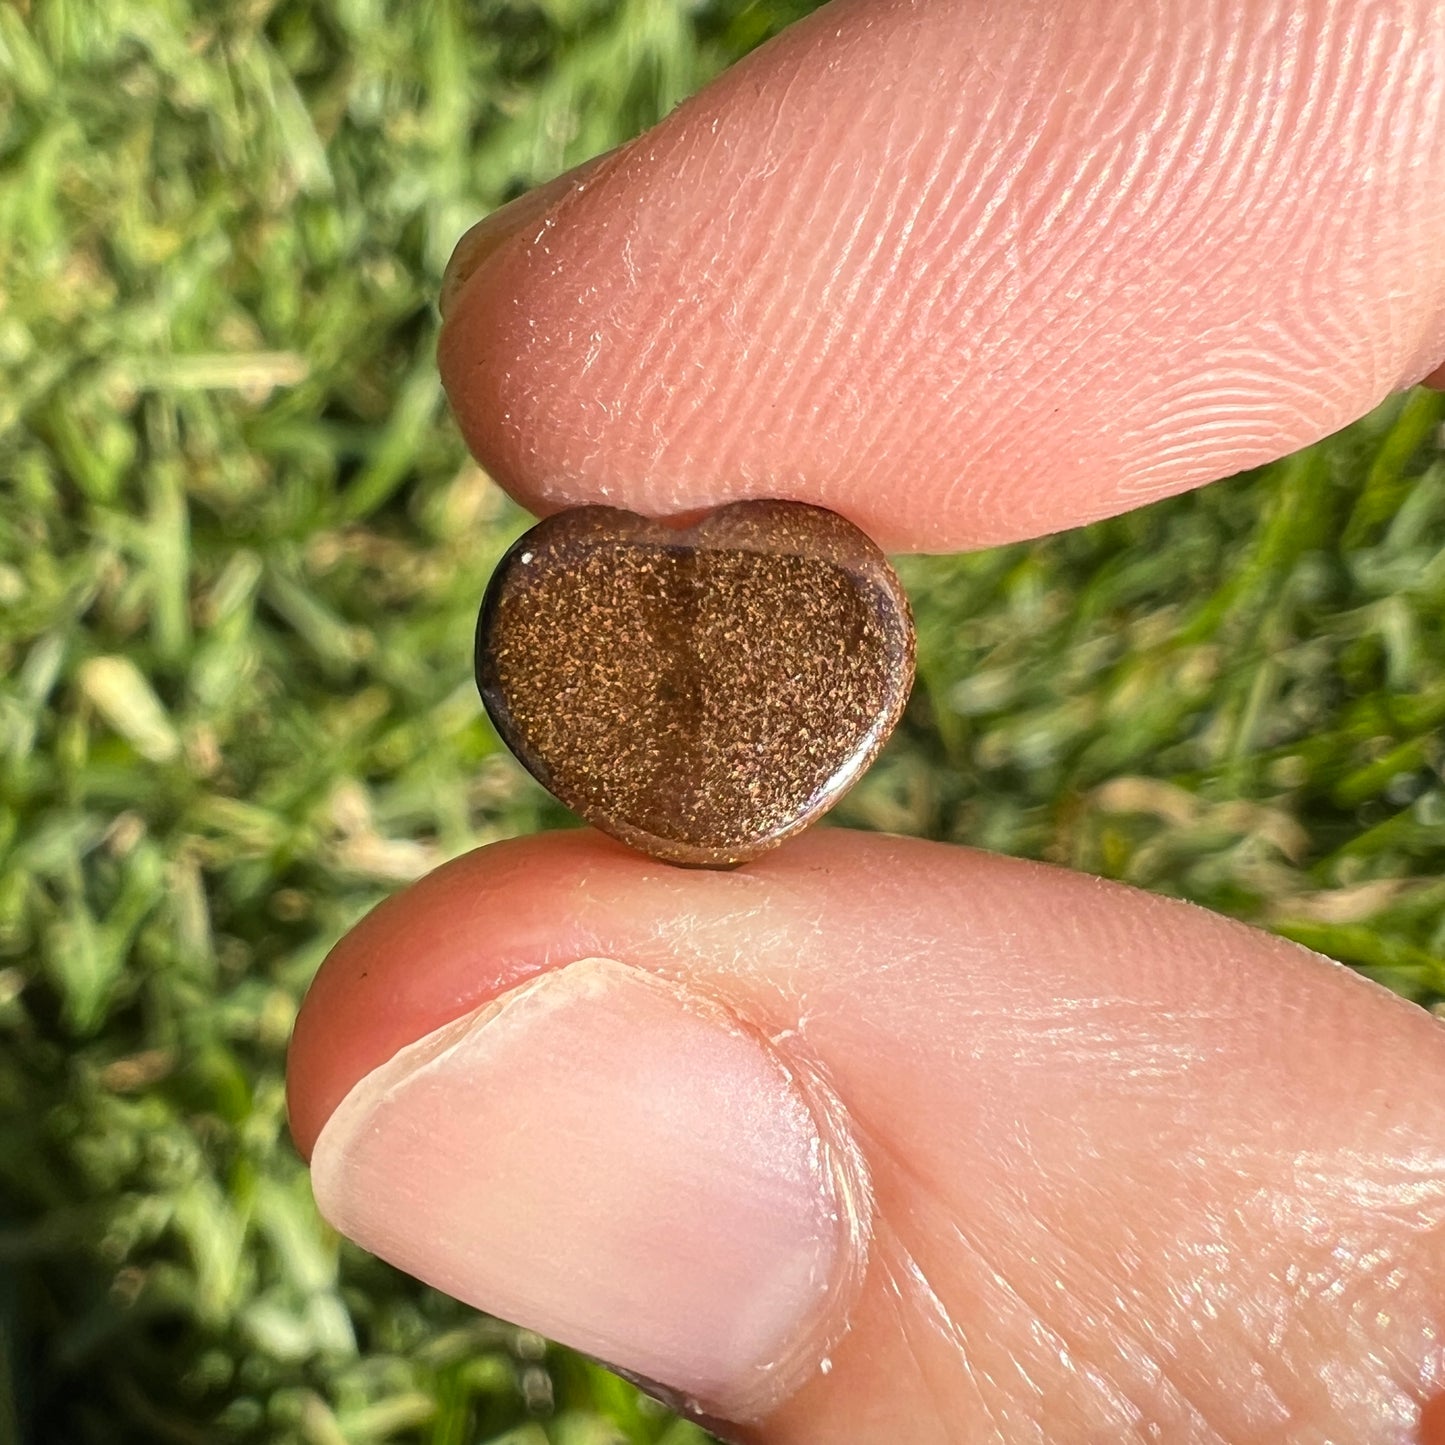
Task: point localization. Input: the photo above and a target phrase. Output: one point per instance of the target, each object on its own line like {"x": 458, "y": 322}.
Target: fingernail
{"x": 1436, "y": 379}
{"x": 487, "y": 236}
{"x": 669, "y": 1399}
{"x": 608, "y": 1160}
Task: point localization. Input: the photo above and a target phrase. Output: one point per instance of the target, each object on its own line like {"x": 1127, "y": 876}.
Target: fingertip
{"x": 936, "y": 269}
{"x": 1041, "y": 1074}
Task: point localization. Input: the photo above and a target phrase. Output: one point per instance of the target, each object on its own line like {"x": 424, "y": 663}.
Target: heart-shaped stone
{"x": 700, "y": 692}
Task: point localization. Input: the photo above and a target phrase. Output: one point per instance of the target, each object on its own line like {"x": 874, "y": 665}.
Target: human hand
{"x": 1020, "y": 1155}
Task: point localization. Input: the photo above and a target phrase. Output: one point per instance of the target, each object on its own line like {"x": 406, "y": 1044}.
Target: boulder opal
{"x": 699, "y": 692}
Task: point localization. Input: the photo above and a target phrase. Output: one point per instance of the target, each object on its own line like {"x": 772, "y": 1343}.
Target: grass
{"x": 240, "y": 556}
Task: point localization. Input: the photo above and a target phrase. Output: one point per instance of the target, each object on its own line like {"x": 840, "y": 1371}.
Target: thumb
{"x": 969, "y": 272}
{"x": 876, "y": 1140}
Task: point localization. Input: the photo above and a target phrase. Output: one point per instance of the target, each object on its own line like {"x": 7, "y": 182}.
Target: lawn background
{"x": 241, "y": 552}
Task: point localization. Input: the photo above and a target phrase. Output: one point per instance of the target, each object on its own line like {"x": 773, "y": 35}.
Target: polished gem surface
{"x": 700, "y": 692}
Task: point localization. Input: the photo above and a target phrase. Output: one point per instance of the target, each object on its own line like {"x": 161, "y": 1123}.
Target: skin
{"x": 968, "y": 276}
{"x": 1244, "y": 1123}
{"x": 1138, "y": 1173}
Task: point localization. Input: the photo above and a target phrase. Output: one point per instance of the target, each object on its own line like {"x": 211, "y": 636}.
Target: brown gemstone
{"x": 701, "y": 692}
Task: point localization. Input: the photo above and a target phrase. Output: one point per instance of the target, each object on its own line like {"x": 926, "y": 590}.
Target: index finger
{"x": 968, "y": 273}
